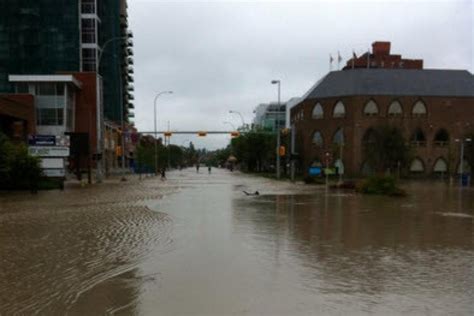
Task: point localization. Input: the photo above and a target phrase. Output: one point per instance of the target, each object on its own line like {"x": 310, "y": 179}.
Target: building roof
{"x": 394, "y": 82}
{"x": 45, "y": 78}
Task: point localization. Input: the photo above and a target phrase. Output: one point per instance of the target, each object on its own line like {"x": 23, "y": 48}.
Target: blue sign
{"x": 315, "y": 171}
{"x": 42, "y": 140}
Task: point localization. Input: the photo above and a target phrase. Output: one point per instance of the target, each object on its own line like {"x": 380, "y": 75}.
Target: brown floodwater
{"x": 197, "y": 245}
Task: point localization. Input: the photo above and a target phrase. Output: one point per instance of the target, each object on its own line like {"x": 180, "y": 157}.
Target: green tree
{"x": 18, "y": 169}
{"x": 255, "y": 150}
{"x": 384, "y": 148}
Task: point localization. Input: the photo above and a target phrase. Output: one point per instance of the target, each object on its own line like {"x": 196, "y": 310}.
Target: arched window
{"x": 371, "y": 108}
{"x": 418, "y": 138}
{"x": 367, "y": 169}
{"x": 318, "y": 139}
{"x": 370, "y": 137}
{"x": 441, "y": 138}
{"x": 339, "y": 166}
{"x": 440, "y": 166}
{"x": 395, "y": 109}
{"x": 419, "y": 109}
{"x": 339, "y": 110}
{"x": 318, "y": 112}
{"x": 417, "y": 166}
{"x": 338, "y": 137}
{"x": 465, "y": 166}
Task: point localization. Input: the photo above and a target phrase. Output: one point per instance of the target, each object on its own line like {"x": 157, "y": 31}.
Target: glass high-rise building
{"x": 51, "y": 36}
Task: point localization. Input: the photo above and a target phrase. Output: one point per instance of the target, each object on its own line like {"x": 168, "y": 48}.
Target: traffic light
{"x": 168, "y": 134}
{"x": 202, "y": 134}
{"x": 235, "y": 134}
{"x": 282, "y": 151}
{"x": 285, "y": 131}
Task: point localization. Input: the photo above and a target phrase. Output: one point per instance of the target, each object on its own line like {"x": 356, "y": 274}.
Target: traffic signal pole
{"x": 278, "y": 155}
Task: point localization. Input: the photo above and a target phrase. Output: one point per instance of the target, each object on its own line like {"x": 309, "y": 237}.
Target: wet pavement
{"x": 197, "y": 245}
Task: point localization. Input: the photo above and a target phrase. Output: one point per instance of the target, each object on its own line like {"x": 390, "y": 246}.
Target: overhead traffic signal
{"x": 202, "y": 134}
{"x": 235, "y": 134}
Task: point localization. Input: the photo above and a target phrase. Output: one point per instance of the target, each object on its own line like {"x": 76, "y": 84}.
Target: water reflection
{"x": 371, "y": 254}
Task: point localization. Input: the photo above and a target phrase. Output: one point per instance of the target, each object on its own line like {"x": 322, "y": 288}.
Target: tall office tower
{"x": 40, "y": 37}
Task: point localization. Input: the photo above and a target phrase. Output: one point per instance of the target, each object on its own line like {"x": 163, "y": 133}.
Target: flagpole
{"x": 368, "y": 58}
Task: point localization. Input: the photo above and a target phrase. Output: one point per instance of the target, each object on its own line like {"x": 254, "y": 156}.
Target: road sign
{"x": 49, "y": 151}
{"x": 54, "y": 173}
{"x": 52, "y": 163}
{"x": 42, "y": 140}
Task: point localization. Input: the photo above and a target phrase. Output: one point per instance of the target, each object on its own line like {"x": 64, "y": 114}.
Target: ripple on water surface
{"x": 54, "y": 254}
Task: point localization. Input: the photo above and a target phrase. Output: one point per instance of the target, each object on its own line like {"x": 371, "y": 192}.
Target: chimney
{"x": 381, "y": 48}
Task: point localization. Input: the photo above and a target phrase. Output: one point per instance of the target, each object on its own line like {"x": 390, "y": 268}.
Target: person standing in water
{"x": 209, "y": 169}
{"x": 197, "y": 168}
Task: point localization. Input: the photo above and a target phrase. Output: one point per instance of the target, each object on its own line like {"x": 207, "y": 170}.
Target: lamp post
{"x": 278, "y": 82}
{"x": 122, "y": 125}
{"x": 156, "y": 135}
{"x": 461, "y": 158}
{"x": 241, "y": 117}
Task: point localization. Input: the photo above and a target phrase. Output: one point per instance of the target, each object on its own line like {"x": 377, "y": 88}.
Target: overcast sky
{"x": 220, "y": 56}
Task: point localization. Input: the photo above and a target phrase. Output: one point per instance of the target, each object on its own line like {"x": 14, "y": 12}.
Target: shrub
{"x": 382, "y": 185}
{"x": 18, "y": 170}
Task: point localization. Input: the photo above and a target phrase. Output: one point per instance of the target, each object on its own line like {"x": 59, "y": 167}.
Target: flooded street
{"x": 197, "y": 245}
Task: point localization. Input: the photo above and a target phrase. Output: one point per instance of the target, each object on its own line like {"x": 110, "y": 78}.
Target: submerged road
{"x": 197, "y": 245}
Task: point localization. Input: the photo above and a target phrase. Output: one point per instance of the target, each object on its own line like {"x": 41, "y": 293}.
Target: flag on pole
{"x": 354, "y": 57}
{"x": 368, "y": 58}
{"x": 330, "y": 62}
{"x": 339, "y": 59}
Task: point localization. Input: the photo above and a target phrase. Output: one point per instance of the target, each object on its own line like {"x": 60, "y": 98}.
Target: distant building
{"x": 43, "y": 37}
{"x": 381, "y": 58}
{"x": 432, "y": 108}
{"x": 270, "y": 116}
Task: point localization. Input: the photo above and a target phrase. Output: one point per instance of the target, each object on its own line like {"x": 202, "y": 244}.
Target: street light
{"x": 241, "y": 117}
{"x": 156, "y": 135}
{"x": 461, "y": 159}
{"x": 278, "y": 133}
{"x": 99, "y": 123}
{"x": 232, "y": 125}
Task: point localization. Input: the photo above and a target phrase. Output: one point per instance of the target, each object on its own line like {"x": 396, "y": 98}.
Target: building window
{"x": 88, "y": 59}
{"x": 419, "y": 109}
{"x": 338, "y": 137}
{"x": 440, "y": 166}
{"x": 50, "y": 116}
{"x": 417, "y": 166}
{"x": 465, "y": 166}
{"x": 418, "y": 138}
{"x": 22, "y": 88}
{"x": 318, "y": 112}
{"x": 339, "y": 110}
{"x": 88, "y": 7}
{"x": 370, "y": 137}
{"x": 371, "y": 108}
{"x": 318, "y": 139}
{"x": 395, "y": 109}
{"x": 88, "y": 31}
{"x": 441, "y": 138}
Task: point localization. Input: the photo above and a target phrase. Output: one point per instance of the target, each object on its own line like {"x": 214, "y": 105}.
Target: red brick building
{"x": 432, "y": 108}
{"x": 381, "y": 58}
